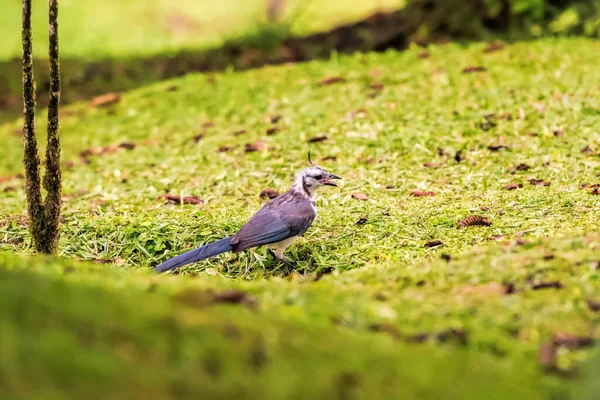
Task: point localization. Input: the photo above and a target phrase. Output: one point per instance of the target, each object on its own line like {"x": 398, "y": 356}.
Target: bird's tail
{"x": 199, "y": 254}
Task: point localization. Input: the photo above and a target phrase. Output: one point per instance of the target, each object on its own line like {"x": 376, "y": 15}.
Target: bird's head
{"x": 315, "y": 176}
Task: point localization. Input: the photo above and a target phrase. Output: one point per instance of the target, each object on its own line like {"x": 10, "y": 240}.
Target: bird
{"x": 278, "y": 224}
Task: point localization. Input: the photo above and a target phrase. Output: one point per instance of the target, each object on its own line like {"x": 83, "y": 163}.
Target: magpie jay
{"x": 278, "y": 224}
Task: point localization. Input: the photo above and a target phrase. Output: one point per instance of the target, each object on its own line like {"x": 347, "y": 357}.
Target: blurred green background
{"x": 94, "y": 29}
{"x": 97, "y": 29}
{"x": 117, "y": 45}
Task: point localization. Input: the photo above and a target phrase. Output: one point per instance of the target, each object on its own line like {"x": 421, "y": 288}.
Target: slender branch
{"x": 52, "y": 177}
{"x": 31, "y": 160}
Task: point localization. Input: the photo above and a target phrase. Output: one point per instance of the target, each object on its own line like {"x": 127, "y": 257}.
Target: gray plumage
{"x": 288, "y": 215}
{"x": 277, "y": 224}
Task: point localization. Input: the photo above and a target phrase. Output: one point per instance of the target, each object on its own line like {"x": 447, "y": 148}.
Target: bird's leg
{"x": 283, "y": 259}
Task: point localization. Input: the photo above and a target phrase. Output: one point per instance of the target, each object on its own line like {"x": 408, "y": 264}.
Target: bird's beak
{"x": 329, "y": 178}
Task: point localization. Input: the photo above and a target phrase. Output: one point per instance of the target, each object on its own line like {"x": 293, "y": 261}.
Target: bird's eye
{"x": 318, "y": 177}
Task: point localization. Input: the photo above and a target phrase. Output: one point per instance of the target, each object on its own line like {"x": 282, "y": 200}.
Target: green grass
{"x": 382, "y": 276}
{"x": 296, "y": 331}
{"x": 133, "y": 333}
{"x": 125, "y": 28}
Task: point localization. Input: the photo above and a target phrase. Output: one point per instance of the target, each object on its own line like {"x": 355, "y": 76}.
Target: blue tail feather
{"x": 199, "y": 254}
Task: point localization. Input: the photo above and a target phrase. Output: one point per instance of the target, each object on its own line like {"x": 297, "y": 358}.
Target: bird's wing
{"x": 285, "y": 217}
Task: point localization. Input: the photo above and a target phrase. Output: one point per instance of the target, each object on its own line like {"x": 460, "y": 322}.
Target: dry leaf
{"x": 424, "y": 54}
{"x": 509, "y": 288}
{"x": 474, "y": 220}
{"x": 10, "y": 178}
{"x": 459, "y": 156}
{"x": 230, "y": 296}
{"x": 105, "y": 99}
{"x": 593, "y": 305}
{"x": 317, "y": 139}
{"x": 235, "y": 296}
{"x": 538, "y": 182}
{"x": 434, "y": 243}
{"x": 362, "y": 221}
{"x": 127, "y": 146}
{"x": 256, "y": 146}
{"x": 87, "y": 153}
{"x": 493, "y": 47}
{"x": 458, "y": 335}
{"x": 272, "y": 130}
{"x": 376, "y": 86}
{"x": 469, "y": 70}
{"x": 181, "y": 199}
{"x": 496, "y": 147}
{"x": 432, "y": 165}
{"x": 359, "y": 196}
{"x": 587, "y": 150}
{"x": 268, "y": 193}
{"x": 390, "y": 329}
{"x": 418, "y": 193}
{"x": 513, "y": 186}
{"x": 331, "y": 80}
{"x": 226, "y": 149}
{"x": 240, "y": 132}
{"x": 547, "y": 285}
{"x": 572, "y": 342}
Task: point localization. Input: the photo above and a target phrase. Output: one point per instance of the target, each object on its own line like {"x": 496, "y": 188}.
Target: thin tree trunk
{"x": 31, "y": 160}
{"x": 43, "y": 215}
{"x": 52, "y": 176}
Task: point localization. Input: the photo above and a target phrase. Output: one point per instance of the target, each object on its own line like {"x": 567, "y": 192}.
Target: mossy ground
{"x": 390, "y": 116}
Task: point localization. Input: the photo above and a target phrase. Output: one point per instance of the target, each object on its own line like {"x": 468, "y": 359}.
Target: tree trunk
{"x": 43, "y": 218}
{"x": 52, "y": 176}
{"x": 35, "y": 209}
